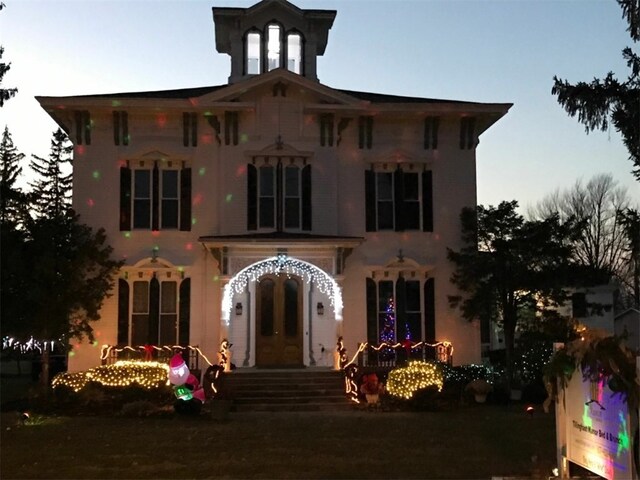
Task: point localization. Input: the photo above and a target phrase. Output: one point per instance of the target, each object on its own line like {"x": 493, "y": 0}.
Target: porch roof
{"x": 283, "y": 238}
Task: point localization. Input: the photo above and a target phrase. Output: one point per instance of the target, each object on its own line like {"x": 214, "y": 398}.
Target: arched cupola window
{"x": 274, "y": 46}
{"x": 268, "y": 50}
{"x": 294, "y": 52}
{"x": 253, "y": 52}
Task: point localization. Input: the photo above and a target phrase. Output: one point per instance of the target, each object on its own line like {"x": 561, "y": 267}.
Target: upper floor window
{"x": 467, "y": 133}
{"x": 398, "y": 200}
{"x": 120, "y": 128}
{"x": 83, "y": 127}
{"x": 155, "y": 198}
{"x": 253, "y": 49}
{"x": 274, "y": 44}
{"x": 279, "y": 195}
{"x": 294, "y": 53}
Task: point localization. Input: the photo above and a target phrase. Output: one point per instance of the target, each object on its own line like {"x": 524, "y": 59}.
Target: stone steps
{"x": 285, "y": 390}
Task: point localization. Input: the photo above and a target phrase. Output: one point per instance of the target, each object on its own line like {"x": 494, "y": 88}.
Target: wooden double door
{"x": 279, "y": 321}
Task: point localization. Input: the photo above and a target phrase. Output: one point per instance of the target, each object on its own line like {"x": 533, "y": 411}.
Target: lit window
{"x": 273, "y": 47}
{"x": 294, "y": 53}
{"x": 253, "y": 53}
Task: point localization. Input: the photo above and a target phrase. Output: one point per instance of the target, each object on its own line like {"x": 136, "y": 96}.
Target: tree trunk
{"x": 44, "y": 370}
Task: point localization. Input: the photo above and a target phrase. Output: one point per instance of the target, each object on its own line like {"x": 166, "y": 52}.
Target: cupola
{"x": 272, "y": 34}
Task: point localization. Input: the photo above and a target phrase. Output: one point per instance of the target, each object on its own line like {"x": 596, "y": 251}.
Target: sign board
{"x": 597, "y": 429}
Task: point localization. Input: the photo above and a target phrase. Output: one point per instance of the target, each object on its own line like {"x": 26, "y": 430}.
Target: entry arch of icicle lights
{"x": 287, "y": 265}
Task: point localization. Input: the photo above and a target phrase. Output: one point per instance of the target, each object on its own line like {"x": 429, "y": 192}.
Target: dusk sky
{"x": 487, "y": 51}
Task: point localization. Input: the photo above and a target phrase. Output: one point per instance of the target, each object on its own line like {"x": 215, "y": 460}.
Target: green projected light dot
{"x": 194, "y": 221}
{"x": 229, "y": 198}
{"x": 202, "y": 171}
{"x": 96, "y": 175}
{"x": 127, "y": 234}
{"x": 244, "y": 138}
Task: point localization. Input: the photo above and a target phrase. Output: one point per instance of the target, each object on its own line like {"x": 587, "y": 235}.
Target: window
{"x": 278, "y": 48}
{"x": 467, "y": 133}
{"x": 253, "y": 50}
{"x": 155, "y": 198}
{"x": 156, "y": 313}
{"x": 398, "y": 200}
{"x": 294, "y": 53}
{"x": 231, "y": 128}
{"x": 395, "y": 313}
{"x": 431, "y": 127}
{"x": 83, "y": 127}
{"x": 274, "y": 43}
{"x": 190, "y": 129}
{"x": 120, "y": 128}
{"x": 365, "y": 132}
{"x": 279, "y": 194}
{"x": 326, "y": 129}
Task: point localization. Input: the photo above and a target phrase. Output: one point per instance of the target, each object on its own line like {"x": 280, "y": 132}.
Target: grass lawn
{"x": 478, "y": 441}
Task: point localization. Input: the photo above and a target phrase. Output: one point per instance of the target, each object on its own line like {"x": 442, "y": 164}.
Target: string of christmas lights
{"x": 108, "y": 350}
{"x": 404, "y": 382}
{"x": 443, "y": 349}
{"x": 121, "y": 374}
{"x": 289, "y": 266}
{"x": 30, "y": 345}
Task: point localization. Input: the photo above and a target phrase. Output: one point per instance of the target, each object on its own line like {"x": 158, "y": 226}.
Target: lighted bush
{"x": 120, "y": 374}
{"x": 405, "y": 382}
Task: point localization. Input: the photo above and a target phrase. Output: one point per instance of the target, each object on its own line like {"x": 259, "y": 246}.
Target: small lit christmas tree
{"x": 388, "y": 330}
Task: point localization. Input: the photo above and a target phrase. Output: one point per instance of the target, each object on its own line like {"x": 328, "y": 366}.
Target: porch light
{"x": 320, "y": 308}
{"x": 238, "y": 308}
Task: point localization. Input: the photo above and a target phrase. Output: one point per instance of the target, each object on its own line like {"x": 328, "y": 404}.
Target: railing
{"x": 392, "y": 355}
{"x": 110, "y": 354}
{"x": 387, "y": 356}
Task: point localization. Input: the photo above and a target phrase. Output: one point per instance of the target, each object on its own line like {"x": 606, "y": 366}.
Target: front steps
{"x": 299, "y": 390}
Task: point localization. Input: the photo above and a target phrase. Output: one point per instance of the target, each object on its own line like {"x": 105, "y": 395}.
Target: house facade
{"x": 275, "y": 211}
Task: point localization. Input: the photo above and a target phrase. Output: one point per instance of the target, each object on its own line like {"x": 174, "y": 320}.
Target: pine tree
{"x": 12, "y": 200}
{"x": 52, "y": 191}
{"x": 610, "y": 100}
{"x": 5, "y": 93}
{"x": 388, "y": 332}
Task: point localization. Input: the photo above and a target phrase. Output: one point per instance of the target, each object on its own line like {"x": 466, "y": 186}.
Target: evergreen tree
{"x": 609, "y": 100}
{"x": 13, "y": 212}
{"x": 5, "y": 93}
{"x": 12, "y": 200}
{"x": 510, "y": 267}
{"x": 52, "y": 191}
{"x": 68, "y": 267}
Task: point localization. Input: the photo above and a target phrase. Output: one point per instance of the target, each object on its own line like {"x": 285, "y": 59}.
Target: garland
{"x": 600, "y": 357}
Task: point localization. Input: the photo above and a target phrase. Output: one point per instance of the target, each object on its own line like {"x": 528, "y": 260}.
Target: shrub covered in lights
{"x": 405, "y": 382}
{"x": 121, "y": 374}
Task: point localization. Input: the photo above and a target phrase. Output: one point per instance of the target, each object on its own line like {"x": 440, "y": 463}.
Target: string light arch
{"x": 286, "y": 265}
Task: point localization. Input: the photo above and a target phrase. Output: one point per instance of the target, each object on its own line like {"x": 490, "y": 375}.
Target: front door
{"x": 279, "y": 321}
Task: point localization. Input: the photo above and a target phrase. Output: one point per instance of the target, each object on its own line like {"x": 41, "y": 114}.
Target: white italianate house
{"x": 275, "y": 211}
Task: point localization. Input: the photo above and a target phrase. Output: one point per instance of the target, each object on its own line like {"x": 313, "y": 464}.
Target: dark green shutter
{"x": 123, "y": 312}
{"x": 125, "y": 199}
{"x": 185, "y": 129}
{"x": 370, "y": 200}
{"x": 87, "y": 127}
{"x": 372, "y": 312}
{"x": 194, "y": 129}
{"x": 429, "y": 311}
{"x": 116, "y": 128}
{"x": 435, "y": 126}
{"x": 427, "y": 201}
{"x": 401, "y": 309}
{"x": 125, "y": 128}
{"x": 279, "y": 197}
{"x": 398, "y": 199}
{"x": 185, "y": 312}
{"x": 154, "y": 311}
{"x": 185, "y": 199}
{"x": 155, "y": 198}
{"x": 306, "y": 198}
{"x": 252, "y": 197}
